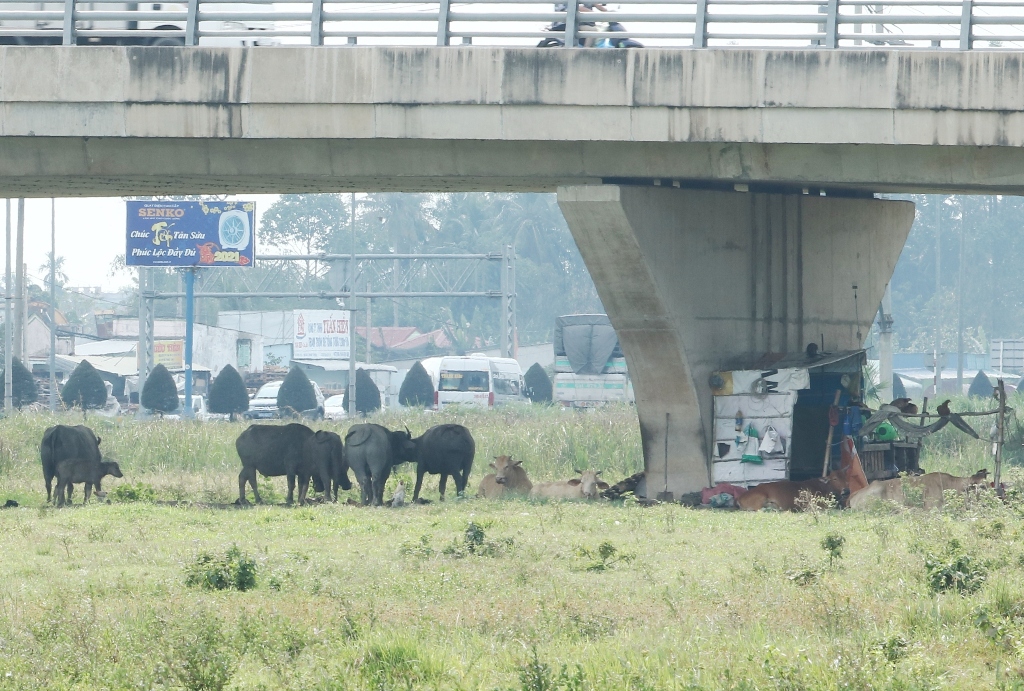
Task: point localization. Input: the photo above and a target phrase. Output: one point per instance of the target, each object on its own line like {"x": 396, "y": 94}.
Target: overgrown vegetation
{"x": 234, "y": 570}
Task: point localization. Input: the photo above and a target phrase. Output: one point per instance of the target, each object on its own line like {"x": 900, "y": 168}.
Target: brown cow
{"x": 783, "y": 494}
{"x": 508, "y": 477}
{"x": 932, "y": 485}
{"x": 587, "y": 486}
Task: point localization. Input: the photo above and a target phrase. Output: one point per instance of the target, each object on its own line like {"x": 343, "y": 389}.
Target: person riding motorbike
{"x": 581, "y": 23}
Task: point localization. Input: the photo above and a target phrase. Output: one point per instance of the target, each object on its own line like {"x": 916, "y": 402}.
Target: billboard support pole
{"x": 53, "y": 305}
{"x": 351, "y": 324}
{"x": 190, "y": 302}
{"x": 8, "y": 331}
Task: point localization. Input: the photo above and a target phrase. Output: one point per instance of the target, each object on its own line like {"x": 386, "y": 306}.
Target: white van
{"x": 474, "y": 380}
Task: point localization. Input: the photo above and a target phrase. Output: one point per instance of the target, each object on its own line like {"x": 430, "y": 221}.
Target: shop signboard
{"x": 321, "y": 334}
{"x": 170, "y": 354}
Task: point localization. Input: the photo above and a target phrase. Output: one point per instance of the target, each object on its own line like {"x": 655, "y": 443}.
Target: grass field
{"x": 472, "y": 594}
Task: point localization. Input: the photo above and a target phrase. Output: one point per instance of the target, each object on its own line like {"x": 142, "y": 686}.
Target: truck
{"x": 135, "y": 23}
{"x": 590, "y": 369}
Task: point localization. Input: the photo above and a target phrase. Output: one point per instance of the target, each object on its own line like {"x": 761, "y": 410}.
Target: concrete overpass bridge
{"x": 722, "y": 199}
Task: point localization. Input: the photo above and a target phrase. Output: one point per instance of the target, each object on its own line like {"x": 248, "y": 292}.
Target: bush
{"x": 160, "y": 393}
{"x": 23, "y": 385}
{"x": 296, "y": 393}
{"x": 85, "y": 388}
{"x": 417, "y": 389}
{"x": 367, "y": 395}
{"x": 956, "y": 571}
{"x": 227, "y": 393}
{"x": 981, "y": 387}
{"x": 235, "y": 570}
{"x": 127, "y": 493}
{"x": 538, "y": 385}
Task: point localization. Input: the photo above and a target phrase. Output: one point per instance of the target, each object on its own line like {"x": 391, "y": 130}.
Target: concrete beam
{"x": 128, "y": 120}
{"x": 694, "y": 281}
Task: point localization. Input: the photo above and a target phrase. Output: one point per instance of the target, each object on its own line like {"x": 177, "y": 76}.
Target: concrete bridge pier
{"x": 695, "y": 280}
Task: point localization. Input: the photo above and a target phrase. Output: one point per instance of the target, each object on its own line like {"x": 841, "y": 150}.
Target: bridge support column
{"x": 697, "y": 281}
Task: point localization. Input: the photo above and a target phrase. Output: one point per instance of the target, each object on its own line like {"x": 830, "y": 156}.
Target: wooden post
{"x": 1000, "y": 427}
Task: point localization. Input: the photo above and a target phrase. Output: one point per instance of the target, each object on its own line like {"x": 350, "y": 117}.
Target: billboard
{"x": 170, "y": 354}
{"x": 321, "y": 334}
{"x": 171, "y": 233}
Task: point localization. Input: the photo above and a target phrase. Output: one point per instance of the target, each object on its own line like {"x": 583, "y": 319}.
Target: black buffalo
{"x": 292, "y": 450}
{"x": 372, "y": 450}
{"x": 444, "y": 450}
{"x": 74, "y": 470}
{"x": 62, "y": 443}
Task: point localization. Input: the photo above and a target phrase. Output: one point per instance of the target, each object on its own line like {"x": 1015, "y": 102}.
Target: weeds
{"x": 833, "y": 546}
{"x": 235, "y": 570}
{"x": 954, "y": 570}
{"x": 127, "y": 493}
{"x": 605, "y": 557}
{"x": 475, "y": 542}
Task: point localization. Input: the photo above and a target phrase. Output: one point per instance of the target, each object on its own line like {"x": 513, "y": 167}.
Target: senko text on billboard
{"x": 171, "y": 233}
{"x": 322, "y": 335}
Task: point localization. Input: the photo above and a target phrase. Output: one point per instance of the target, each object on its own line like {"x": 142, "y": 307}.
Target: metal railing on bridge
{"x": 945, "y": 24}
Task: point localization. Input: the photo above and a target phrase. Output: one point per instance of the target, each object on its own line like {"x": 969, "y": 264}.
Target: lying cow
{"x": 88, "y": 471}
{"x": 587, "y": 486}
{"x": 782, "y": 495}
{"x": 931, "y": 485}
{"x": 508, "y": 477}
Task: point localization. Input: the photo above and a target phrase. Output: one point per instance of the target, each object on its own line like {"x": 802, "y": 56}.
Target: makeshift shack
{"x": 771, "y": 415}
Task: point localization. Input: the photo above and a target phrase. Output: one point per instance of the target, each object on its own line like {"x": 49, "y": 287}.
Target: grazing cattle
{"x": 444, "y": 450}
{"x": 294, "y": 451}
{"x": 508, "y": 477}
{"x": 72, "y": 470}
{"x": 372, "y": 451}
{"x": 931, "y": 486}
{"x": 587, "y": 486}
{"x": 64, "y": 442}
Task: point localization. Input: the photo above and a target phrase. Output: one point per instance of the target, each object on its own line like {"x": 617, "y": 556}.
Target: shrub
{"x": 605, "y": 557}
{"x": 833, "y": 546}
{"x": 160, "y": 393}
{"x": 235, "y": 570}
{"x": 127, "y": 493}
{"x": 200, "y": 654}
{"x": 417, "y": 388}
{"x": 85, "y": 388}
{"x": 367, "y": 394}
{"x": 955, "y": 570}
{"x": 227, "y": 393}
{"x": 981, "y": 387}
{"x": 23, "y": 385}
{"x": 538, "y": 385}
{"x": 296, "y": 393}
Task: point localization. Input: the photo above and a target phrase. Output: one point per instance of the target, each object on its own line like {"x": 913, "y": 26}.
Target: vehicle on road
{"x": 263, "y": 406}
{"x": 475, "y": 380}
{"x": 334, "y": 408}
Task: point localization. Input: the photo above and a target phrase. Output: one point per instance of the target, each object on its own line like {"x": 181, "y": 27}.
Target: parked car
{"x": 334, "y": 408}
{"x": 263, "y": 406}
{"x": 199, "y": 411}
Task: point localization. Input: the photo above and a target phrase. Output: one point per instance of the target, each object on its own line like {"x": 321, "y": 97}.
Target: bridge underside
{"x": 36, "y": 166}
{"x": 693, "y": 280}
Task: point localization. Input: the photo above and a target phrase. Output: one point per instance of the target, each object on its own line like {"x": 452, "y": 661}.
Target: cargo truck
{"x": 590, "y": 369}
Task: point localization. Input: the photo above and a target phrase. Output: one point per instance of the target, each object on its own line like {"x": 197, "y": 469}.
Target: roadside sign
{"x": 170, "y": 354}
{"x": 321, "y": 334}
{"x": 173, "y": 233}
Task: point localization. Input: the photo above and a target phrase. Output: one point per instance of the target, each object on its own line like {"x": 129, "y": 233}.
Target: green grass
{"x": 530, "y": 596}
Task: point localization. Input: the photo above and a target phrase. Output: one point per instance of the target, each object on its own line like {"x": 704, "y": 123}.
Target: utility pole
{"x": 8, "y": 330}
{"x": 369, "y": 326}
{"x": 351, "y": 320}
{"x": 938, "y": 297}
{"x": 53, "y": 305}
{"x": 960, "y": 314}
{"x": 19, "y": 286}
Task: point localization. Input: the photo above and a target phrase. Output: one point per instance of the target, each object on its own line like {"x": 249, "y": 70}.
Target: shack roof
{"x": 843, "y": 360}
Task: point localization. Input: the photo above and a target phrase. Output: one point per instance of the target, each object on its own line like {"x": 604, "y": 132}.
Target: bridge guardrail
{"x": 946, "y": 24}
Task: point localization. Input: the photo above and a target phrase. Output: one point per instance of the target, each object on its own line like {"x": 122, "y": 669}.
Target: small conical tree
{"x": 227, "y": 393}
{"x": 296, "y": 393}
{"x": 417, "y": 388}
{"x": 367, "y": 394}
{"x": 538, "y": 385}
{"x": 981, "y": 387}
{"x": 85, "y": 388}
{"x": 23, "y": 385}
{"x": 160, "y": 393}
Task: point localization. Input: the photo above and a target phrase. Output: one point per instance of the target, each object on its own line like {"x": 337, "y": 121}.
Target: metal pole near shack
{"x": 190, "y": 313}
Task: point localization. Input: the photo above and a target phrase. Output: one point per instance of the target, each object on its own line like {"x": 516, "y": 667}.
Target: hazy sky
{"x": 90, "y": 234}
